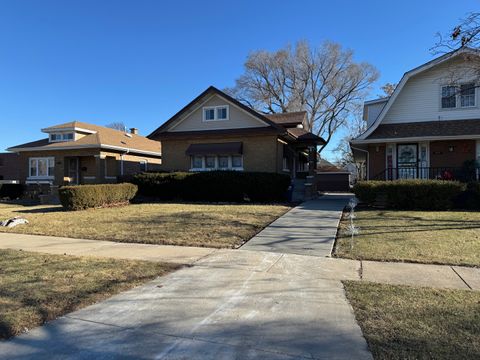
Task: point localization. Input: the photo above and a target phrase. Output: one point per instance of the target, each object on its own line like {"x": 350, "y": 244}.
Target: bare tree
{"x": 354, "y": 128}
{"x": 325, "y": 81}
{"x": 118, "y": 125}
{"x": 465, "y": 34}
{"x": 388, "y": 89}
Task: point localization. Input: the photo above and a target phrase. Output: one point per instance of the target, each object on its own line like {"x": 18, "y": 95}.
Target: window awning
{"x": 230, "y": 148}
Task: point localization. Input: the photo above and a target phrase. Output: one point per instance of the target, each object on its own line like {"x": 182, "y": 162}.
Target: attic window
{"x": 215, "y": 113}
{"x": 57, "y": 137}
{"x": 462, "y": 96}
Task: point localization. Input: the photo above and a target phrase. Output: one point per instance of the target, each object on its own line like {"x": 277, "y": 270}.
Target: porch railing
{"x": 439, "y": 173}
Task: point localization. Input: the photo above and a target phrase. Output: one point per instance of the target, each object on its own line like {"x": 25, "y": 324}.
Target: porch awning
{"x": 230, "y": 148}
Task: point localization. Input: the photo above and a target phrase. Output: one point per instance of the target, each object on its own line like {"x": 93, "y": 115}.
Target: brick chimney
{"x": 134, "y": 131}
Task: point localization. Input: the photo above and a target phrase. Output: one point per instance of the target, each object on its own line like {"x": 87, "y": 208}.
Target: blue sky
{"x": 140, "y": 61}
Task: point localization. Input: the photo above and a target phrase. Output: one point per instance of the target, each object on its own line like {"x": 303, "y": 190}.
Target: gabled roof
{"x": 97, "y": 137}
{"x": 300, "y": 134}
{"x": 437, "y": 61}
{"x": 210, "y": 91}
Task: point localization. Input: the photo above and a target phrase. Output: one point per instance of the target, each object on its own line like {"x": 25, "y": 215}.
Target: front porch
{"x": 439, "y": 159}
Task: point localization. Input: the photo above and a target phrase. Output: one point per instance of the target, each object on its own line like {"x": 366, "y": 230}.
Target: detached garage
{"x": 331, "y": 178}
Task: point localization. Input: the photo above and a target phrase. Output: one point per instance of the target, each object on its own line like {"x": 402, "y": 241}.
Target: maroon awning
{"x": 231, "y": 148}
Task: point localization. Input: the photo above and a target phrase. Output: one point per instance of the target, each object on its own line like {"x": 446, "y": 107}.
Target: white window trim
{"x": 458, "y": 100}
{"x": 49, "y": 176}
{"x": 204, "y": 168}
{"x": 215, "y": 118}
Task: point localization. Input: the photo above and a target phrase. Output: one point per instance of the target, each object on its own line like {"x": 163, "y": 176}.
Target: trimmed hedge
{"x": 93, "y": 196}
{"x": 470, "y": 198}
{"x": 11, "y": 191}
{"x": 215, "y": 186}
{"x": 410, "y": 194}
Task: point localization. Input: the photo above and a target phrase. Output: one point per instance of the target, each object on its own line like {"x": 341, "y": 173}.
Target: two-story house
{"x": 429, "y": 128}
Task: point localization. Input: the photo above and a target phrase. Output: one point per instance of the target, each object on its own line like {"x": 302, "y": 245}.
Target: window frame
{"x": 217, "y": 163}
{"x": 215, "y": 113}
{"x": 36, "y": 176}
{"x": 458, "y": 96}
{"x": 61, "y": 137}
{"x": 145, "y": 162}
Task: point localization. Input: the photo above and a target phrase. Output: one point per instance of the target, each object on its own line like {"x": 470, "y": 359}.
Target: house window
{"x": 214, "y": 162}
{"x": 467, "y": 95}
{"x": 210, "y": 162}
{"x": 143, "y": 165}
{"x": 223, "y": 162}
{"x": 61, "y": 137}
{"x": 285, "y": 164}
{"x": 41, "y": 167}
{"x": 197, "y": 162}
{"x": 215, "y": 113}
{"x": 449, "y": 98}
{"x": 237, "y": 161}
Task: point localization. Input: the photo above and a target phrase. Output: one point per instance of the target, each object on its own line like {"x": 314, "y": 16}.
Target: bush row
{"x": 231, "y": 186}
{"x": 411, "y": 194}
{"x": 11, "y": 191}
{"x": 92, "y": 196}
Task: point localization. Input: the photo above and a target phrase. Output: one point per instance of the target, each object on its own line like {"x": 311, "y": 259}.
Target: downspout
{"x": 368, "y": 159}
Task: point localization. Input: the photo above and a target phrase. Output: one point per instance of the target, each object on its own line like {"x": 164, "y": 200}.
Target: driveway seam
{"x": 461, "y": 278}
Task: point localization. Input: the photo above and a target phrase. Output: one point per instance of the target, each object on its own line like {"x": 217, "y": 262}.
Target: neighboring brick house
{"x": 9, "y": 169}
{"x": 215, "y": 131}
{"x": 429, "y": 128}
{"x": 81, "y": 153}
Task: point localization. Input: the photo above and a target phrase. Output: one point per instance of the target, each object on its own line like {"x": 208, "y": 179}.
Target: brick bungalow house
{"x": 215, "y": 131}
{"x": 81, "y": 153}
{"x": 429, "y": 128}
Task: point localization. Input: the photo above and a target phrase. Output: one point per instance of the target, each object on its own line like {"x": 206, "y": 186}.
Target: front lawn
{"x": 35, "y": 288}
{"x": 401, "y": 322}
{"x": 219, "y": 226}
{"x": 443, "y": 237}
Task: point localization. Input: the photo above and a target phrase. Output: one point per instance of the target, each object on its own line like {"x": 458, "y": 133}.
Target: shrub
{"x": 11, "y": 191}
{"x": 410, "y": 194}
{"x": 92, "y": 196}
{"x": 232, "y": 186}
{"x": 470, "y": 198}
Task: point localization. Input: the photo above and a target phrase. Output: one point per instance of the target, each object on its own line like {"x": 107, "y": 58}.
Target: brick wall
{"x": 9, "y": 166}
{"x": 441, "y": 156}
{"x": 259, "y": 152}
{"x": 377, "y": 159}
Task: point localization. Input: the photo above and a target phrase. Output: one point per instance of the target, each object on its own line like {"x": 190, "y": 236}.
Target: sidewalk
{"x": 436, "y": 276}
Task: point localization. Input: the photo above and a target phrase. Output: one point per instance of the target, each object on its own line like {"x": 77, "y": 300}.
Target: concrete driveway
{"x": 231, "y": 304}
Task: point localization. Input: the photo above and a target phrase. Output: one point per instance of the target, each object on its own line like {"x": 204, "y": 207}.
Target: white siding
{"x": 238, "y": 118}
{"x": 420, "y": 98}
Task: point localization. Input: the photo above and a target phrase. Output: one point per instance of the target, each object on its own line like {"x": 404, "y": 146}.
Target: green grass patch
{"x": 401, "y": 322}
{"x": 35, "y": 288}
{"x": 436, "y": 237}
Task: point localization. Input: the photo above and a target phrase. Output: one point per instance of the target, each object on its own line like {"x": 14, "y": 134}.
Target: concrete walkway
{"x": 308, "y": 229}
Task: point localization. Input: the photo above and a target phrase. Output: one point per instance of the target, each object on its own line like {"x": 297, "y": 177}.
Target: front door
{"x": 407, "y": 161}
{"x": 72, "y": 172}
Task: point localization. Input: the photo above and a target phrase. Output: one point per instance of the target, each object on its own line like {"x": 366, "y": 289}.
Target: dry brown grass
{"x": 35, "y": 288}
{"x": 401, "y": 322}
{"x": 440, "y": 237}
{"x": 219, "y": 226}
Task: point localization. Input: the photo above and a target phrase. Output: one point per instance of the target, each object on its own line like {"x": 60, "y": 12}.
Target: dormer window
{"x": 215, "y": 113}
{"x": 57, "y": 137}
{"x": 462, "y": 96}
